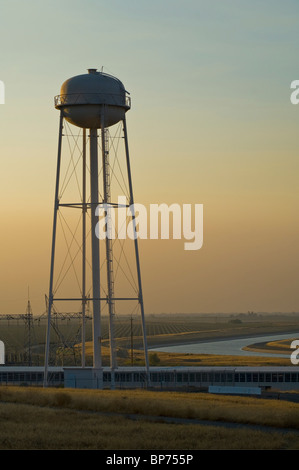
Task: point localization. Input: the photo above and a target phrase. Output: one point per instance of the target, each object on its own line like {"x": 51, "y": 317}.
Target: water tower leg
{"x": 56, "y": 204}
{"x": 136, "y": 253}
{"x": 83, "y": 245}
{"x": 95, "y": 247}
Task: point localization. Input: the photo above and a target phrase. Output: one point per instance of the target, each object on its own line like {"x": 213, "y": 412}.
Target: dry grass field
{"x": 34, "y": 418}
{"x": 277, "y": 347}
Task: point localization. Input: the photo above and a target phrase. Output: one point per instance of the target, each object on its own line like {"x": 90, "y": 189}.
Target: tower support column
{"x": 56, "y": 206}
{"x": 140, "y": 294}
{"x": 95, "y": 250}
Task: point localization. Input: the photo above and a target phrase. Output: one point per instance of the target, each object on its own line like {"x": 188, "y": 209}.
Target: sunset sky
{"x": 211, "y": 123}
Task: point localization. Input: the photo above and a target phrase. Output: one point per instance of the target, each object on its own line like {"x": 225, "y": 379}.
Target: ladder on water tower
{"x": 109, "y": 251}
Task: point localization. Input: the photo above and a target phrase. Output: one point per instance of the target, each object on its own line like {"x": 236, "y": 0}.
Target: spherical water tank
{"x": 83, "y": 98}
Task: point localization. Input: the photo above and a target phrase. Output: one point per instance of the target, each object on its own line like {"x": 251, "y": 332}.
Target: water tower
{"x": 91, "y": 104}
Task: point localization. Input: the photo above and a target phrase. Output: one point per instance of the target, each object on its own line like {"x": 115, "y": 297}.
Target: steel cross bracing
{"x": 71, "y": 342}
{"x": 87, "y": 207}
